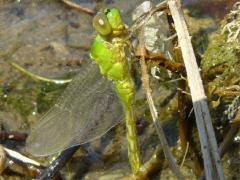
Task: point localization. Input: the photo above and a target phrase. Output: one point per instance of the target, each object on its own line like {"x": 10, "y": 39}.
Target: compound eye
{"x": 101, "y": 24}
{"x": 107, "y": 10}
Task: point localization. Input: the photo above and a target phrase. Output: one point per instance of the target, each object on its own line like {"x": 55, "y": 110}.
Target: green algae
{"x": 220, "y": 69}
{"x": 220, "y": 57}
{"x": 221, "y": 61}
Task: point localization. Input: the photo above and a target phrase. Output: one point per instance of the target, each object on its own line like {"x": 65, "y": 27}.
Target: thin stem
{"x": 156, "y": 121}
{"x": 21, "y": 158}
{"x": 153, "y": 164}
{"x": 37, "y": 77}
{"x": 78, "y": 7}
{"x": 211, "y": 158}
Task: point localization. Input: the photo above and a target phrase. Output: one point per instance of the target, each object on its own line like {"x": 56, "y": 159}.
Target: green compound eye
{"x": 101, "y": 24}
{"x": 114, "y": 18}
{"x": 106, "y": 11}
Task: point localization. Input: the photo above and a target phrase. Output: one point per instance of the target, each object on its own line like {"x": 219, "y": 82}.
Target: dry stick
{"x": 78, "y": 7}
{"x": 155, "y": 163}
{"x": 145, "y": 80}
{"x": 232, "y": 114}
{"x": 12, "y": 135}
{"x": 18, "y": 156}
{"x": 229, "y": 138}
{"x": 3, "y": 159}
{"x": 213, "y": 168}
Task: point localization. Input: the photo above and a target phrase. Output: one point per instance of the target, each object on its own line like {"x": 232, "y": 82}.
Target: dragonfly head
{"x": 109, "y": 22}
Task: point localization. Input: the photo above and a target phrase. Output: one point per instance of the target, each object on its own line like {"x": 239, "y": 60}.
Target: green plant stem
{"x": 37, "y": 77}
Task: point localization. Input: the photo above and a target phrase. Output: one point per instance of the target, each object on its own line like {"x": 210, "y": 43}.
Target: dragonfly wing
{"x": 88, "y": 108}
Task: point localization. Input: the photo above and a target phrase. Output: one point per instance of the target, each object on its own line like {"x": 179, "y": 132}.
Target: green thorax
{"x": 110, "y": 57}
{"x": 108, "y": 51}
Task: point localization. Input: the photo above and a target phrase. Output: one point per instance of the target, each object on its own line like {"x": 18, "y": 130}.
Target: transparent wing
{"x": 88, "y": 108}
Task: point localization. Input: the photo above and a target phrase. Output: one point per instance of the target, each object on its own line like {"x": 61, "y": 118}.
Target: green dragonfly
{"x": 96, "y": 100}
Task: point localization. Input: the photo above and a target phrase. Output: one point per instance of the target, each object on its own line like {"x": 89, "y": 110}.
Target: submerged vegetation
{"x": 220, "y": 69}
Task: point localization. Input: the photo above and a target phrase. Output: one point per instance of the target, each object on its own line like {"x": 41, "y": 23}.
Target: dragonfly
{"x": 96, "y": 100}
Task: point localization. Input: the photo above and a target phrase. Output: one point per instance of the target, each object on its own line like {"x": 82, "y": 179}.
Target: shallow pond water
{"x": 53, "y": 40}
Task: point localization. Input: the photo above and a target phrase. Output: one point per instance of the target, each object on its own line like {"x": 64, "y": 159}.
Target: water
{"x": 50, "y": 35}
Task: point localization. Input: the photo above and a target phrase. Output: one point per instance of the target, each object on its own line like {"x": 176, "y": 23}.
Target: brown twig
{"x": 19, "y": 163}
{"x": 145, "y": 80}
{"x": 144, "y": 17}
{"x": 155, "y": 162}
{"x": 11, "y": 135}
{"x": 162, "y": 61}
{"x": 229, "y": 138}
{"x": 182, "y": 101}
{"x": 78, "y": 7}
{"x": 3, "y": 159}
{"x": 213, "y": 168}
{"x": 232, "y": 114}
